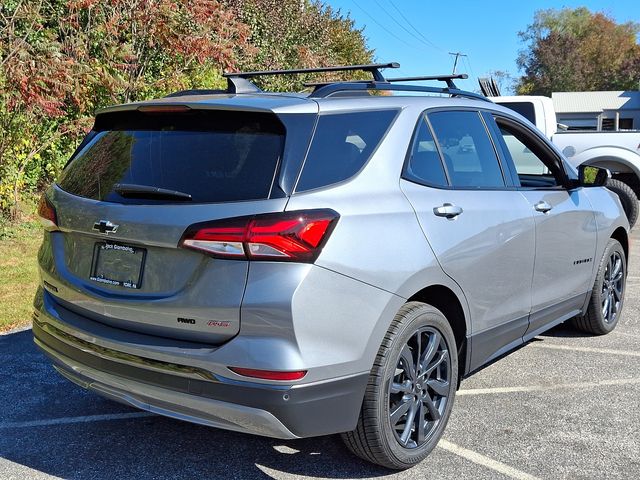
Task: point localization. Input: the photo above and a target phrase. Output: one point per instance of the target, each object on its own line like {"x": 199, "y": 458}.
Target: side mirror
{"x": 590, "y": 176}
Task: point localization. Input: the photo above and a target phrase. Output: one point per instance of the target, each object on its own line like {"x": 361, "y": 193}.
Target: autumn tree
{"x": 60, "y": 60}
{"x": 36, "y": 78}
{"x": 299, "y": 34}
{"x": 577, "y": 50}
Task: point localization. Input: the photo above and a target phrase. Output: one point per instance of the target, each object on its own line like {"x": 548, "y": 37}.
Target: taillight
{"x": 269, "y": 374}
{"x": 47, "y": 214}
{"x": 290, "y": 236}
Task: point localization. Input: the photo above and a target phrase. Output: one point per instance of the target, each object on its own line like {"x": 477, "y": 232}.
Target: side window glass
{"x": 425, "y": 165}
{"x": 341, "y": 145}
{"x": 468, "y": 153}
{"x": 531, "y": 169}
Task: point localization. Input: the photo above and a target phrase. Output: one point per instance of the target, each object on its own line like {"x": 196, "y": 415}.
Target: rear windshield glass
{"x": 341, "y": 146}
{"x": 212, "y": 156}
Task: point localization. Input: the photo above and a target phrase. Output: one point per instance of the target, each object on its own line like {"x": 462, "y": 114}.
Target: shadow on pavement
{"x": 565, "y": 330}
{"x": 142, "y": 448}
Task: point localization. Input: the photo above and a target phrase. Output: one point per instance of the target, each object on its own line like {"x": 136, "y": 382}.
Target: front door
{"x": 565, "y": 228}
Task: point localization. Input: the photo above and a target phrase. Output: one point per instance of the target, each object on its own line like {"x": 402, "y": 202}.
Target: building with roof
{"x": 616, "y": 110}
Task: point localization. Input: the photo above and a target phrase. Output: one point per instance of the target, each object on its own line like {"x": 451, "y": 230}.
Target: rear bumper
{"x": 192, "y": 394}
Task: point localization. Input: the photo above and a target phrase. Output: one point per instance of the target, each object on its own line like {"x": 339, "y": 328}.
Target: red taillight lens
{"x": 47, "y": 214}
{"x": 289, "y": 236}
{"x": 269, "y": 374}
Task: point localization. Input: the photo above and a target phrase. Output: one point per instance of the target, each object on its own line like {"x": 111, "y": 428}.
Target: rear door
{"x": 479, "y": 227}
{"x": 565, "y": 225}
{"x": 125, "y": 200}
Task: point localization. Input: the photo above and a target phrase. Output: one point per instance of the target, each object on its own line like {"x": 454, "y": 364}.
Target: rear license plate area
{"x": 117, "y": 264}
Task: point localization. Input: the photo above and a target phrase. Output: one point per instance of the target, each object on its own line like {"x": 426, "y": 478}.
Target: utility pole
{"x": 455, "y": 62}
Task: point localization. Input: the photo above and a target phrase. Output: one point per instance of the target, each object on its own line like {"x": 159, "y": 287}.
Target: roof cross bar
{"x": 448, "y": 79}
{"x": 372, "y": 68}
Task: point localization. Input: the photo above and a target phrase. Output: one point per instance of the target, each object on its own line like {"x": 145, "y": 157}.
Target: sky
{"x": 419, "y": 34}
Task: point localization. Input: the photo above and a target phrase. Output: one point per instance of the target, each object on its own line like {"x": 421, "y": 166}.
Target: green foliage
{"x": 294, "y": 34}
{"x": 576, "y": 50}
{"x": 60, "y": 60}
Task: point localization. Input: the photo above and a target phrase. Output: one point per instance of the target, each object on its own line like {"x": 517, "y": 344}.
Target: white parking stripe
{"x": 67, "y": 420}
{"x": 480, "y": 459}
{"x": 607, "y": 351}
{"x": 541, "y": 388}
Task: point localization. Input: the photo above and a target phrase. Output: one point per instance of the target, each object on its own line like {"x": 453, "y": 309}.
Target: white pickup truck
{"x": 619, "y": 151}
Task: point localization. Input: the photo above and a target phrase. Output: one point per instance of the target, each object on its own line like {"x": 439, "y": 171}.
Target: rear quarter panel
{"x": 377, "y": 241}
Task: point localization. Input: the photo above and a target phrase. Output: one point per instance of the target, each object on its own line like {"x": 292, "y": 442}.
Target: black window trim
{"x": 540, "y": 143}
{"x": 507, "y": 179}
{"x": 405, "y": 166}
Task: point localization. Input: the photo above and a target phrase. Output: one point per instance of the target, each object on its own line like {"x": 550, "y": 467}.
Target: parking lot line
{"x": 541, "y": 388}
{"x": 67, "y": 420}
{"x": 607, "y": 351}
{"x": 480, "y": 459}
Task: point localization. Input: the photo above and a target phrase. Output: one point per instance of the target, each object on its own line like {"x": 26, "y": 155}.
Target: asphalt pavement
{"x": 563, "y": 406}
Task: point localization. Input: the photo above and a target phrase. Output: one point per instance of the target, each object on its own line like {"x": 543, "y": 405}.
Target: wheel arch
{"x": 620, "y": 234}
{"x": 445, "y": 300}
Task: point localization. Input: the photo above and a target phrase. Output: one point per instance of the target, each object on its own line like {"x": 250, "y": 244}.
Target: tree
{"x": 61, "y": 60}
{"x": 576, "y": 50}
{"x": 299, "y": 34}
{"x": 35, "y": 78}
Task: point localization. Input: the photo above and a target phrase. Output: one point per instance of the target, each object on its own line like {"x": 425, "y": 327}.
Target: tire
{"x": 607, "y": 296}
{"x": 378, "y": 437}
{"x": 628, "y": 199}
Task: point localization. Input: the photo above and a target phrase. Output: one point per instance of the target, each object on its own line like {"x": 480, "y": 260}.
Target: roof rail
{"x": 327, "y": 89}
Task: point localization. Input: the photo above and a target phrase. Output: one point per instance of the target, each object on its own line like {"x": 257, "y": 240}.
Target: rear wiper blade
{"x": 145, "y": 191}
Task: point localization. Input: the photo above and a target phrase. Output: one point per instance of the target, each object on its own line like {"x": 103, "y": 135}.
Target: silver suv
{"x": 294, "y": 265}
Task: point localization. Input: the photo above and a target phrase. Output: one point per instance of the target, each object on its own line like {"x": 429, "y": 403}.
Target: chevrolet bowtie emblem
{"x": 105, "y": 226}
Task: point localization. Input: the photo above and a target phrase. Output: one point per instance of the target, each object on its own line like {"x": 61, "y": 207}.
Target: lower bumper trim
{"x": 280, "y": 411}
{"x": 169, "y": 403}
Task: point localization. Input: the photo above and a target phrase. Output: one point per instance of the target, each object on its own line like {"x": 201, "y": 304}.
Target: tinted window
{"x": 425, "y": 164}
{"x": 212, "y": 156}
{"x": 341, "y": 146}
{"x": 468, "y": 153}
{"x": 525, "y": 109}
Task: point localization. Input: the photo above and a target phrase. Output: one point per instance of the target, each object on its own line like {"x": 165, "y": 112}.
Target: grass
{"x": 18, "y": 272}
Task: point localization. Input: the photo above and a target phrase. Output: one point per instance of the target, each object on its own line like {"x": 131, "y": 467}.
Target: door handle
{"x": 542, "y": 206}
{"x": 447, "y": 210}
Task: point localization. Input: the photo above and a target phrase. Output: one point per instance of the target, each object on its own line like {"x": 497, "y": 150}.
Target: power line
{"x": 414, "y": 28}
{"x": 468, "y": 62}
{"x": 421, "y": 40}
{"x": 382, "y": 26}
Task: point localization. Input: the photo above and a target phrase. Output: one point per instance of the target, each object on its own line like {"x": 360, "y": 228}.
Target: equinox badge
{"x": 105, "y": 226}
